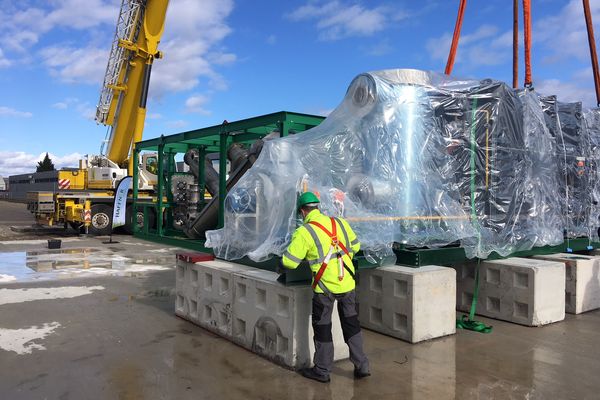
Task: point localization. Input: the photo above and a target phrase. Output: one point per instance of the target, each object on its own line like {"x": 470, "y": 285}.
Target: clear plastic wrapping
{"x": 409, "y": 157}
{"x": 592, "y": 125}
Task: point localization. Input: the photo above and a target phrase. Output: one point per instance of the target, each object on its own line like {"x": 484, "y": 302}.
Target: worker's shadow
{"x": 591, "y": 294}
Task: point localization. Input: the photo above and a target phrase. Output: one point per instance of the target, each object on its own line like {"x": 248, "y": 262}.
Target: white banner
{"x": 120, "y": 203}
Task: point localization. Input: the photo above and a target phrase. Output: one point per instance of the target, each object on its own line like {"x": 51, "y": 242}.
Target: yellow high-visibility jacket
{"x": 311, "y": 243}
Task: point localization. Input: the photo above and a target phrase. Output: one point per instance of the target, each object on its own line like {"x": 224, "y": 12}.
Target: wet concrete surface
{"x": 121, "y": 340}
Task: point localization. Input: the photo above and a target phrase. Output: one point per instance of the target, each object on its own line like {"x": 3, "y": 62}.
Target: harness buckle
{"x": 335, "y": 241}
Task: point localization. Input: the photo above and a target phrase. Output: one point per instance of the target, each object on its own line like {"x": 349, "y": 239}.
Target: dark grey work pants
{"x": 322, "y": 307}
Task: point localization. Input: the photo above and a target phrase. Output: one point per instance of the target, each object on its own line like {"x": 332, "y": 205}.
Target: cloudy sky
{"x": 232, "y": 59}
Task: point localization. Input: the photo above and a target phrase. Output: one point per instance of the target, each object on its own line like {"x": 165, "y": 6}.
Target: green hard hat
{"x": 307, "y": 198}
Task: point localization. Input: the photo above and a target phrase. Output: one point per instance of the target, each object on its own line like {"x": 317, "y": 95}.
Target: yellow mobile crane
{"x": 84, "y": 197}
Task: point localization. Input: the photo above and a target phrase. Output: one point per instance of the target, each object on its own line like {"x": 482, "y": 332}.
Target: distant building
{"x": 3, "y": 182}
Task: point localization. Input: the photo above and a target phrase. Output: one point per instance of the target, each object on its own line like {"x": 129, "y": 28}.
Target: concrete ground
{"x": 96, "y": 321}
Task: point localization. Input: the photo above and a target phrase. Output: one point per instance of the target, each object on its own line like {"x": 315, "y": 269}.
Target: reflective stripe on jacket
{"x": 311, "y": 243}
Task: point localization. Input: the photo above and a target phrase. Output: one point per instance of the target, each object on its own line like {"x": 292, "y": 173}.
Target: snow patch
{"x": 35, "y": 241}
{"x": 7, "y": 278}
{"x": 10, "y": 296}
{"x": 21, "y": 340}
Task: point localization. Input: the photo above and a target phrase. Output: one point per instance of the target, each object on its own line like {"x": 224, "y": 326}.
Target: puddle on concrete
{"x": 66, "y": 263}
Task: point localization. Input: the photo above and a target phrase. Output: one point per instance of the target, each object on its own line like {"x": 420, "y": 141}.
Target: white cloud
{"x": 177, "y": 124}
{"x": 196, "y": 103}
{"x": 4, "y": 62}
{"x": 271, "y": 39}
{"x": 567, "y": 91}
{"x": 579, "y": 87}
{"x": 336, "y": 19}
{"x": 60, "y": 105}
{"x": 380, "y": 49}
{"x": 86, "y": 110}
{"x": 564, "y": 35}
{"x": 188, "y": 62}
{"x": 27, "y": 21}
{"x": 11, "y": 112}
{"x": 20, "y": 162}
{"x": 153, "y": 116}
{"x": 76, "y": 65}
{"x": 474, "y": 48}
{"x": 83, "y": 108}
{"x": 192, "y": 43}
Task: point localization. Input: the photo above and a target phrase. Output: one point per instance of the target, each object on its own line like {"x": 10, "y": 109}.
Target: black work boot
{"x": 361, "y": 373}
{"x": 310, "y": 373}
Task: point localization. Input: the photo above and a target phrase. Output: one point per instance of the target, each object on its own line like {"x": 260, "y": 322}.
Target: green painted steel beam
{"x": 454, "y": 255}
{"x": 161, "y": 188}
{"x": 247, "y": 137}
{"x": 135, "y": 194}
{"x": 268, "y": 120}
{"x": 185, "y": 243}
{"x": 222, "y": 178}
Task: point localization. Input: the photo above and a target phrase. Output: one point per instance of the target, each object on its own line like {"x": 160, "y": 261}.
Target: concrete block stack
{"x": 582, "y": 281}
{"x": 520, "y": 290}
{"x": 412, "y": 304}
{"x": 249, "y": 307}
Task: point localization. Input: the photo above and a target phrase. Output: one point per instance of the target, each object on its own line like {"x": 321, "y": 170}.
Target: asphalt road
{"x": 97, "y": 321}
{"x": 14, "y": 214}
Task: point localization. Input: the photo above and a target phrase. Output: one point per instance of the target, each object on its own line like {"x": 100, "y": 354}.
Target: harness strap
{"x": 332, "y": 235}
{"x": 334, "y": 243}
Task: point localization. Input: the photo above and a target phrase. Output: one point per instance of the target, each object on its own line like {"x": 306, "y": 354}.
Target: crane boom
{"x": 122, "y": 104}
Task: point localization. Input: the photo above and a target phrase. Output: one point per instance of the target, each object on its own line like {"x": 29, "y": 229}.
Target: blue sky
{"x": 232, "y": 59}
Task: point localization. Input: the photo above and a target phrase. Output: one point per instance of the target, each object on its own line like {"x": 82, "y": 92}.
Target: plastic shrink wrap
{"x": 414, "y": 158}
{"x": 592, "y": 125}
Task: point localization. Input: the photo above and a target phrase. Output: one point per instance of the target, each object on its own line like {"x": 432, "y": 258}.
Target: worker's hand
{"x": 280, "y": 269}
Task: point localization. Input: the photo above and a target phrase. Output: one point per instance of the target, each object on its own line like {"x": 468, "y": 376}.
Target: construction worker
{"x": 328, "y": 245}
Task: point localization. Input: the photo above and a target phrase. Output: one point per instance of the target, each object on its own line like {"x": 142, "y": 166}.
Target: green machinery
{"x": 158, "y": 214}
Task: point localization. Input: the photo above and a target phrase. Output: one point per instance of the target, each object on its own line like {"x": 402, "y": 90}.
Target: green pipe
{"x": 473, "y": 154}
{"x": 161, "y": 189}
{"x": 222, "y": 177}
{"x": 136, "y": 172}
{"x": 201, "y": 175}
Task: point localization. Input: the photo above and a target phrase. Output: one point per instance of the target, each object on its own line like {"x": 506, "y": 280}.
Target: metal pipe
{"x": 211, "y": 177}
{"x": 409, "y": 218}
{"x": 237, "y": 155}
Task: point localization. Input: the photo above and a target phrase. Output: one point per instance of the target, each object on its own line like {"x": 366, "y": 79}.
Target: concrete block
{"x": 209, "y": 290}
{"x": 183, "y": 292}
{"x": 274, "y": 320}
{"x": 582, "y": 281}
{"x": 249, "y": 307}
{"x": 413, "y": 304}
{"x": 520, "y": 290}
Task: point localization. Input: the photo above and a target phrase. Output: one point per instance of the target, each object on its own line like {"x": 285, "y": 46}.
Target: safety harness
{"x": 333, "y": 249}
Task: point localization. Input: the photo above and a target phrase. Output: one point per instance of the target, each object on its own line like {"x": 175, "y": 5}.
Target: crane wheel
{"x": 139, "y": 220}
{"x": 101, "y": 219}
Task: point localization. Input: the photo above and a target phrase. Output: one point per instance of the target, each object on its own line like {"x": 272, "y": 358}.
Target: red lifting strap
{"x": 515, "y": 44}
{"x": 333, "y": 236}
{"x": 527, "y": 38}
{"x": 592, "y": 43}
{"x": 455, "y": 37}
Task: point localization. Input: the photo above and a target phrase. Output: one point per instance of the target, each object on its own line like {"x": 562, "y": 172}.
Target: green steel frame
{"x": 213, "y": 139}
{"x": 452, "y": 255}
